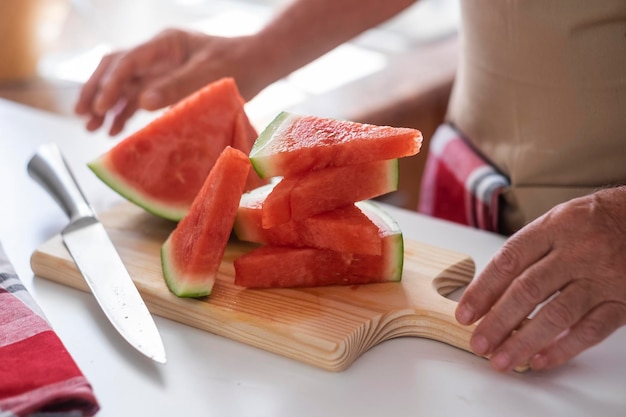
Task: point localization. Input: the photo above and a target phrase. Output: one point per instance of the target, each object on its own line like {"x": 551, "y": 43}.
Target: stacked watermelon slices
{"x": 316, "y": 226}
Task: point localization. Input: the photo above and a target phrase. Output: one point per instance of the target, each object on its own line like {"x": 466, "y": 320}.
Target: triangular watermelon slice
{"x": 162, "y": 166}
{"x": 299, "y": 197}
{"x": 272, "y": 266}
{"x": 346, "y": 229}
{"x": 294, "y": 144}
{"x": 192, "y": 254}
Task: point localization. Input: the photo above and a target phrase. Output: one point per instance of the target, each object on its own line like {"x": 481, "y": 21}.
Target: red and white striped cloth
{"x": 38, "y": 377}
{"x": 458, "y": 184}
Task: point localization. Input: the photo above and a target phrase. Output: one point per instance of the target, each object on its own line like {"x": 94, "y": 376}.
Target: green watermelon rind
{"x": 394, "y": 180}
{"x": 371, "y": 209}
{"x": 257, "y": 153}
{"x": 172, "y": 277}
{"x": 273, "y": 144}
{"x": 118, "y": 184}
{"x": 241, "y": 228}
{"x": 382, "y": 219}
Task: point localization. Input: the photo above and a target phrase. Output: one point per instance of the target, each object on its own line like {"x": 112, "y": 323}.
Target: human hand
{"x": 161, "y": 72}
{"x": 572, "y": 258}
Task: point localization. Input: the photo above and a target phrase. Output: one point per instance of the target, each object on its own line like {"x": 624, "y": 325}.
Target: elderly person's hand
{"x": 573, "y": 261}
{"x": 163, "y": 70}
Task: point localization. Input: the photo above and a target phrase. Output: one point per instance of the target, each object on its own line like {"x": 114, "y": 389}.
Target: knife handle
{"x": 50, "y": 170}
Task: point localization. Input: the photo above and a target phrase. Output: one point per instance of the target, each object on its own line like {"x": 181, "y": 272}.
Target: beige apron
{"x": 541, "y": 92}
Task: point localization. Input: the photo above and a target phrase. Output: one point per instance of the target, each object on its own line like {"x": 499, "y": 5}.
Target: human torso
{"x": 541, "y": 93}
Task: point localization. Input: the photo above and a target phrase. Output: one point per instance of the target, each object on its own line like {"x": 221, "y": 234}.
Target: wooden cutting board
{"x": 328, "y": 327}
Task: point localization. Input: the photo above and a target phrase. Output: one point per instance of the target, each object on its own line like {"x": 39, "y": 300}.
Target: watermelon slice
{"x": 162, "y": 166}
{"x": 284, "y": 267}
{"x": 296, "y": 198}
{"x": 346, "y": 229}
{"x": 294, "y": 144}
{"x": 193, "y": 252}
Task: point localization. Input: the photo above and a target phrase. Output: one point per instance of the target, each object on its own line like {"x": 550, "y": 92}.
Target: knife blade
{"x": 95, "y": 255}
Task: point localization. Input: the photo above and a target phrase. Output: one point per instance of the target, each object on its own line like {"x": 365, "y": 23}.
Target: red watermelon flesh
{"x": 193, "y": 252}
{"x": 278, "y": 209}
{"x": 297, "y": 198}
{"x": 346, "y": 229}
{"x": 162, "y": 166}
{"x": 294, "y": 144}
{"x": 283, "y": 267}
{"x": 272, "y": 266}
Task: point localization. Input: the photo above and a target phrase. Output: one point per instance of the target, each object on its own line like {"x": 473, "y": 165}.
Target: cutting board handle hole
{"x": 452, "y": 281}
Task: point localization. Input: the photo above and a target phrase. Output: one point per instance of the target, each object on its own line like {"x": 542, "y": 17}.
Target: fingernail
{"x": 464, "y": 314}
{"x": 539, "y": 362}
{"x": 479, "y": 345}
{"x": 501, "y": 361}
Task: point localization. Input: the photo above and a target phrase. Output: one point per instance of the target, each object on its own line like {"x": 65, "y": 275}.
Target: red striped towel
{"x": 38, "y": 377}
{"x": 458, "y": 184}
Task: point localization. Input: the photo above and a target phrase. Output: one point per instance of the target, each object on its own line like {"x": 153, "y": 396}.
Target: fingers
{"x": 163, "y": 92}
{"x": 160, "y": 72}
{"x": 84, "y": 105}
{"x": 124, "y": 112}
{"x": 519, "y": 252}
{"x": 575, "y": 274}
{"x": 178, "y": 84}
{"x": 519, "y": 299}
{"x": 121, "y": 76}
{"x": 120, "y": 115}
{"x": 94, "y": 123}
{"x": 592, "y": 329}
{"x": 565, "y": 310}
{"x": 111, "y": 88}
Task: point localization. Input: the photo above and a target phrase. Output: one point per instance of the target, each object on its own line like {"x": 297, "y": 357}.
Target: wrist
{"x": 612, "y": 201}
{"x": 266, "y": 60}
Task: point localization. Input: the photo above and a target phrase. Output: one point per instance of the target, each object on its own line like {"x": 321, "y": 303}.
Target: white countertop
{"x": 208, "y": 375}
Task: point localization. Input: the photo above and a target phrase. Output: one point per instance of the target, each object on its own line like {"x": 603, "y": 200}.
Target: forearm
{"x": 307, "y": 29}
{"x": 175, "y": 63}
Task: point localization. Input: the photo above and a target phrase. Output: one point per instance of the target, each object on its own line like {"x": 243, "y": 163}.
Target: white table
{"x": 207, "y": 375}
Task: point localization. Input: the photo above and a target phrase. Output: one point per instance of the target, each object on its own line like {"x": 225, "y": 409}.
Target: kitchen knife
{"x": 96, "y": 257}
